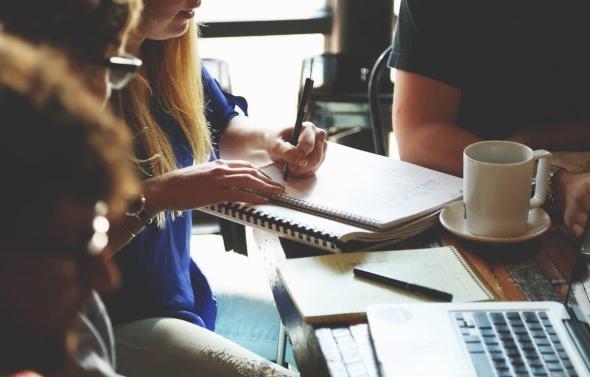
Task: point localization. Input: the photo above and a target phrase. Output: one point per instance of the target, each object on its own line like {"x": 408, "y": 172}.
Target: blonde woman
{"x": 176, "y": 125}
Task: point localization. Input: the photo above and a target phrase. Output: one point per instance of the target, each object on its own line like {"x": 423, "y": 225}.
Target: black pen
{"x": 414, "y": 288}
{"x": 301, "y": 110}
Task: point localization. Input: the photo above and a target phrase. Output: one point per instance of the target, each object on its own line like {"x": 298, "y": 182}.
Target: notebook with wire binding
{"x": 356, "y": 200}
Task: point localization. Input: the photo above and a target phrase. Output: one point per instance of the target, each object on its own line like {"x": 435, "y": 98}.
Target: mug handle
{"x": 541, "y": 181}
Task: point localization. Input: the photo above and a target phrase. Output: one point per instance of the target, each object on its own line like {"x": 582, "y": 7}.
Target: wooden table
{"x": 534, "y": 270}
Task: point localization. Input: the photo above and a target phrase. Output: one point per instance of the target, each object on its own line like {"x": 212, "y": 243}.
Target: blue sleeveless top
{"x": 159, "y": 278}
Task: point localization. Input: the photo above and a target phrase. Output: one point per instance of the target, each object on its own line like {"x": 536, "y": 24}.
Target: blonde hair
{"x": 171, "y": 79}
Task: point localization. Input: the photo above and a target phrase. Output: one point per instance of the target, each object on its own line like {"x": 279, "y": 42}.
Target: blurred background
{"x": 263, "y": 49}
{"x": 264, "y": 69}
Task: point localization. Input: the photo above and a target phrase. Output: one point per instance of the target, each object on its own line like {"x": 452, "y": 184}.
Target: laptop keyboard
{"x": 348, "y": 351}
{"x": 513, "y": 344}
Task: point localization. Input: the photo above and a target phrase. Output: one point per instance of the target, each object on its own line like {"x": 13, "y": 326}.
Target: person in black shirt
{"x": 470, "y": 70}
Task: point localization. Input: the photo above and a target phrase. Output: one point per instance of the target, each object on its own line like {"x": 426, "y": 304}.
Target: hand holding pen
{"x": 302, "y": 146}
{"x": 301, "y": 112}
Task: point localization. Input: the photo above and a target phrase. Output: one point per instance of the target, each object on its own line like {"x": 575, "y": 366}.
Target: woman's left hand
{"x": 305, "y": 157}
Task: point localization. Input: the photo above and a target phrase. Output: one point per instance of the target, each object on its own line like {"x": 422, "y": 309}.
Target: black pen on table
{"x": 410, "y": 287}
{"x": 301, "y": 111}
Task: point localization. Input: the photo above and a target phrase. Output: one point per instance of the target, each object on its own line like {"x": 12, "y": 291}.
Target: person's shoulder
{"x": 26, "y": 373}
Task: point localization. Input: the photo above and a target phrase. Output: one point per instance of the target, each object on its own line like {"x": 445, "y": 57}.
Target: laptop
{"x": 494, "y": 339}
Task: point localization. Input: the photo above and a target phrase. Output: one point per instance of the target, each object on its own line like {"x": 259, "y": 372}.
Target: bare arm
{"x": 556, "y": 137}
{"x": 231, "y": 180}
{"x": 424, "y": 118}
{"x": 194, "y": 187}
{"x": 425, "y": 123}
{"x": 245, "y": 140}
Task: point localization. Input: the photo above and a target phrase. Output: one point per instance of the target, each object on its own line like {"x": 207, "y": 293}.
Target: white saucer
{"x": 451, "y": 217}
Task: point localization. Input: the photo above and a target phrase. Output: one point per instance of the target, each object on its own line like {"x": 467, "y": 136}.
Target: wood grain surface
{"x": 534, "y": 270}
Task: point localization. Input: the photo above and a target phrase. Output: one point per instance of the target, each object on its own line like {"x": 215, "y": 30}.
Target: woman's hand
{"x": 209, "y": 183}
{"x": 572, "y": 199}
{"x": 304, "y": 158}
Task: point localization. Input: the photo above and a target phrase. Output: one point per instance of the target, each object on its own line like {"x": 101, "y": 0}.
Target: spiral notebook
{"x": 324, "y": 288}
{"x": 356, "y": 200}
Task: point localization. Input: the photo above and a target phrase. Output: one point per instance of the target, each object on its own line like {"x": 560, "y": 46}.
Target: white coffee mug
{"x": 497, "y": 180}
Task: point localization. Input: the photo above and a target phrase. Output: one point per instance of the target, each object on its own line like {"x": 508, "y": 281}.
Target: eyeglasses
{"x": 122, "y": 69}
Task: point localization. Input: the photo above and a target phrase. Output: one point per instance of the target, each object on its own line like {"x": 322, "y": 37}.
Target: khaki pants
{"x": 168, "y": 347}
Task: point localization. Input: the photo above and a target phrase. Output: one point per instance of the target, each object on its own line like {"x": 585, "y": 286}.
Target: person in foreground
{"x": 58, "y": 189}
{"x": 467, "y": 72}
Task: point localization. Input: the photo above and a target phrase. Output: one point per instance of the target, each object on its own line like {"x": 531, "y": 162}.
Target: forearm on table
{"x": 437, "y": 146}
{"x": 244, "y": 140}
{"x": 556, "y": 137}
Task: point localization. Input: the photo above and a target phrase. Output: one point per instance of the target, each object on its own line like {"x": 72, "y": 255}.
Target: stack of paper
{"x": 356, "y": 200}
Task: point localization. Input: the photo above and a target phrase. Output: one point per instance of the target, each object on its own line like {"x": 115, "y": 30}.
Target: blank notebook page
{"x": 324, "y": 288}
{"x": 364, "y": 184}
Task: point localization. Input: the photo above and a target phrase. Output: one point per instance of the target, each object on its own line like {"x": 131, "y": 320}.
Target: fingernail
{"x": 302, "y": 163}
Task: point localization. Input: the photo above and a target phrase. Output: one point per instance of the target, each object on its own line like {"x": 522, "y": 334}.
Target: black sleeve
{"x": 428, "y": 40}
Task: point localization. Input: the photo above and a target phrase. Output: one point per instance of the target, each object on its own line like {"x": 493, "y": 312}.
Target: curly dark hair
{"x": 57, "y": 143}
{"x": 85, "y": 29}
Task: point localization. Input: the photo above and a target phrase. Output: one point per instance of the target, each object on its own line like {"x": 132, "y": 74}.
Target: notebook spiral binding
{"x": 327, "y": 212}
{"x": 471, "y": 272}
{"x": 289, "y": 229}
